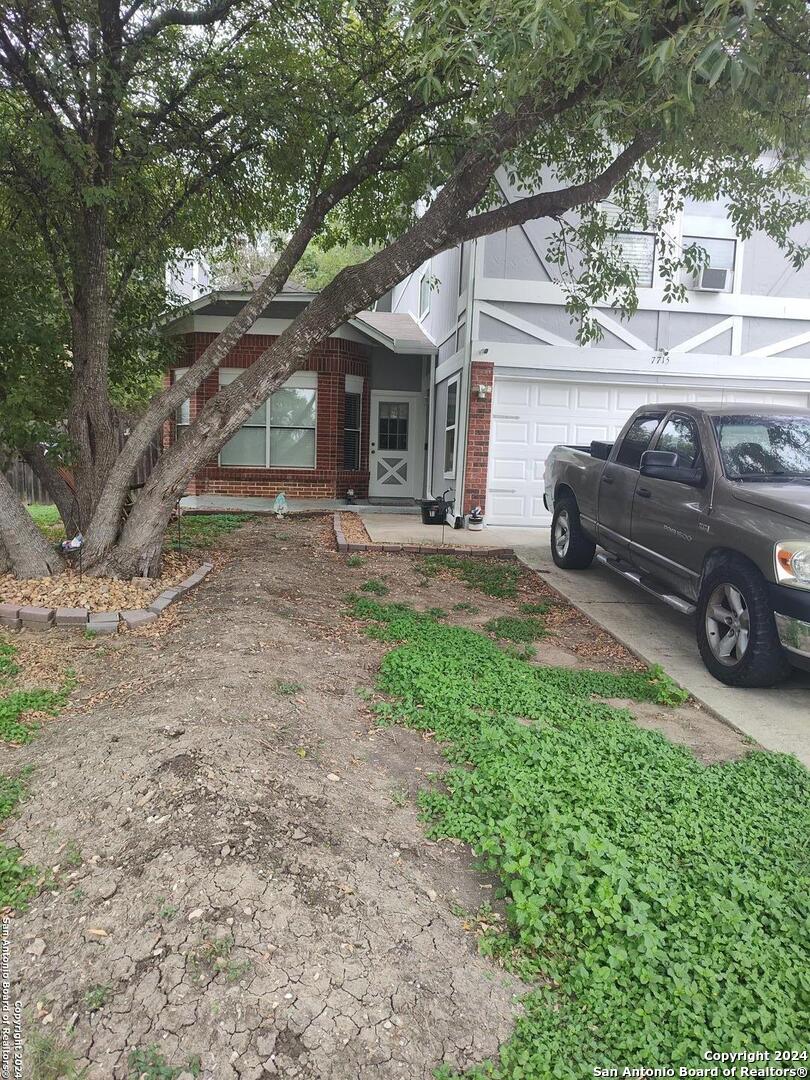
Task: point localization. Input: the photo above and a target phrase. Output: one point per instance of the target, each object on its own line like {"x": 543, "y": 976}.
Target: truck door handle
{"x": 645, "y": 493}
{"x": 607, "y": 479}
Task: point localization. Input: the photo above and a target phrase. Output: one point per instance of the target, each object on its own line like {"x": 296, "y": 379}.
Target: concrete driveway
{"x": 778, "y": 719}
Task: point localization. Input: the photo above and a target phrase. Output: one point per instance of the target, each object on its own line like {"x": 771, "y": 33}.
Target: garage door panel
{"x": 553, "y": 433}
{"x": 512, "y": 393}
{"x": 541, "y": 413}
{"x": 510, "y": 469}
{"x": 593, "y": 398}
{"x": 630, "y": 400}
{"x": 507, "y": 509}
{"x": 586, "y": 434}
{"x": 554, "y": 395}
{"x": 507, "y": 431}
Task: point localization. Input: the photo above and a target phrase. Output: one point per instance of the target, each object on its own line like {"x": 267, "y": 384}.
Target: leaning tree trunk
{"x": 30, "y": 554}
{"x": 5, "y": 561}
{"x": 47, "y": 472}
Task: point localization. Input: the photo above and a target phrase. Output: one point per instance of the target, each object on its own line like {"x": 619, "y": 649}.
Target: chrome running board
{"x": 635, "y": 577}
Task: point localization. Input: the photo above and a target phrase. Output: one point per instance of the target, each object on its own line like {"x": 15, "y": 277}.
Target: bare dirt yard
{"x": 236, "y": 881}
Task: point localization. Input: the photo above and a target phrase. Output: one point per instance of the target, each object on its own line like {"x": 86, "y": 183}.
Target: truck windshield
{"x": 764, "y": 447}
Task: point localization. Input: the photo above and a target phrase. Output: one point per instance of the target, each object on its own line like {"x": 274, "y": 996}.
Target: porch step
{"x": 629, "y": 573}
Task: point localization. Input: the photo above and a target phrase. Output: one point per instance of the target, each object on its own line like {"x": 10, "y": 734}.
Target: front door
{"x": 396, "y": 445}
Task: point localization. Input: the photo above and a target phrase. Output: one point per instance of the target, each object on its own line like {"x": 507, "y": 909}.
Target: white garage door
{"x": 530, "y": 416}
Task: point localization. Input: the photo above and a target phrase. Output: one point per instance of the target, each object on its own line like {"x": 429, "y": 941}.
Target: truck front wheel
{"x": 736, "y": 631}
{"x": 570, "y": 547}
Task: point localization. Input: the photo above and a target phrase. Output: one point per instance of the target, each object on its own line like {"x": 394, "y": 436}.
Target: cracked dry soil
{"x": 238, "y": 868}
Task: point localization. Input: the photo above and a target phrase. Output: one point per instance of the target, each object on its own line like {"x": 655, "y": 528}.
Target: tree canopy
{"x": 129, "y": 131}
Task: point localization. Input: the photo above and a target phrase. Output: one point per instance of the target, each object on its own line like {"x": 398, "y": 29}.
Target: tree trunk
{"x": 47, "y": 471}
{"x": 30, "y": 554}
{"x": 92, "y": 424}
{"x": 103, "y": 530}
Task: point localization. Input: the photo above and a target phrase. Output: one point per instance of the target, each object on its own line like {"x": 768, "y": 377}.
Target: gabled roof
{"x": 396, "y": 331}
{"x": 401, "y": 332}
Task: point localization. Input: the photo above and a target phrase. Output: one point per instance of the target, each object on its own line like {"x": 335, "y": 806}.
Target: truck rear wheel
{"x": 736, "y": 631}
{"x": 571, "y": 549}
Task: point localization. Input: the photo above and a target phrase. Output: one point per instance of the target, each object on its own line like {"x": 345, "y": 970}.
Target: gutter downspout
{"x": 464, "y": 382}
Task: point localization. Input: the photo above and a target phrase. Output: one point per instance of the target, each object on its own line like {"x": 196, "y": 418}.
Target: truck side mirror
{"x": 663, "y": 465}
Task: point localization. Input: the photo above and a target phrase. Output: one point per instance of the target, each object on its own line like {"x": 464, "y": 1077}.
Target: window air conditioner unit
{"x": 713, "y": 279}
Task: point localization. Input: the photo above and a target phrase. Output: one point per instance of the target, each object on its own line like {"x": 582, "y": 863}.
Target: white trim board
{"x": 776, "y": 347}
{"x": 525, "y": 327}
{"x": 645, "y": 363}
{"x": 505, "y": 290}
{"x": 354, "y": 330}
{"x": 449, "y": 366}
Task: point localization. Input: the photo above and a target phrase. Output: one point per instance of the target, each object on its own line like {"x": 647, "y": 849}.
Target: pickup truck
{"x": 708, "y": 508}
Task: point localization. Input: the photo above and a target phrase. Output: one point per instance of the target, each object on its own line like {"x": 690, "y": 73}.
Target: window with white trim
{"x": 721, "y": 251}
{"x": 352, "y": 420}
{"x": 182, "y": 417}
{"x": 450, "y": 428}
{"x": 638, "y": 252}
{"x": 424, "y": 293}
{"x": 637, "y": 243}
{"x": 281, "y": 433}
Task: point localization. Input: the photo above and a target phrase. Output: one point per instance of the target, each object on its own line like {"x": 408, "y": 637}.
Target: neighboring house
{"x": 188, "y": 277}
{"x": 474, "y": 372}
{"x": 510, "y": 380}
{"x": 354, "y": 417}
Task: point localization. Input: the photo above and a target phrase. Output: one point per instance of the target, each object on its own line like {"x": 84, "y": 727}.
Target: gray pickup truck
{"x": 708, "y": 508}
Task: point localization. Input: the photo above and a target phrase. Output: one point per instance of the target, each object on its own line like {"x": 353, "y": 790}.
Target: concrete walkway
{"x": 387, "y": 528}
{"x": 778, "y": 718}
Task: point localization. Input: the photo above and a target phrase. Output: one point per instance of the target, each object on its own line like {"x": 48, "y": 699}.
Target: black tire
{"x": 571, "y": 549}
{"x": 735, "y": 617}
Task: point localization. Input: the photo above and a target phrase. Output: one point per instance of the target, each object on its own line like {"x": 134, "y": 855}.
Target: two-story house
{"x": 474, "y": 372}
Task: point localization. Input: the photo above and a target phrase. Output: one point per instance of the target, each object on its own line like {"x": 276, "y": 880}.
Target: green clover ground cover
{"x": 667, "y": 901}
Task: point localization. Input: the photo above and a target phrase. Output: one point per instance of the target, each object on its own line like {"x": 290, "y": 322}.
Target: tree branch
{"x": 553, "y": 203}
{"x": 176, "y": 16}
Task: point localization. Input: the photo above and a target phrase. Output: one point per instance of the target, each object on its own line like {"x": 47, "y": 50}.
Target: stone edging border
{"x": 16, "y": 617}
{"x": 418, "y": 549}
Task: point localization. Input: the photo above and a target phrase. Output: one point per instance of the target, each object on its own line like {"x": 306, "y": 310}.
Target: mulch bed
{"x": 353, "y": 529}
{"x": 69, "y": 590}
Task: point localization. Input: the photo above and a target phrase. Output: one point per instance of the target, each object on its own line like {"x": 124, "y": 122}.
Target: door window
{"x": 637, "y": 440}
{"x": 392, "y": 433}
{"x": 680, "y": 437}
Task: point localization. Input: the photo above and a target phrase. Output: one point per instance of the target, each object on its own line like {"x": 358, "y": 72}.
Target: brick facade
{"x": 332, "y": 360}
{"x": 478, "y": 427}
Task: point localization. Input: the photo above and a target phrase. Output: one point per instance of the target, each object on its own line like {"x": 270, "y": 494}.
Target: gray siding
{"x": 390, "y": 372}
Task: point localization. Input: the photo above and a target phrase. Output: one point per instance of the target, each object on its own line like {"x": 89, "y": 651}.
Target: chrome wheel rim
{"x": 562, "y": 534}
{"x": 728, "y": 624}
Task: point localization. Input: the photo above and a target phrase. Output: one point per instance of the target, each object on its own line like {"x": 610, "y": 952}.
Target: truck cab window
{"x": 680, "y": 437}
{"x": 637, "y": 440}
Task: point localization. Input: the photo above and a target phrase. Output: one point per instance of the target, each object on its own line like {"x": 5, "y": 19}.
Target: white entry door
{"x": 396, "y": 444}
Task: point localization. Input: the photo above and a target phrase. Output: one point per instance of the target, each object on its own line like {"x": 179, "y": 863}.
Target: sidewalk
{"x": 388, "y": 528}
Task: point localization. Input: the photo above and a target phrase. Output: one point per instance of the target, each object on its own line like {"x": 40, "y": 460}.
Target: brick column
{"x": 480, "y": 414}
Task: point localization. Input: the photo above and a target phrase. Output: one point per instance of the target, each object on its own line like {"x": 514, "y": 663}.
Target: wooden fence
{"x": 26, "y": 484}
{"x": 21, "y": 477}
